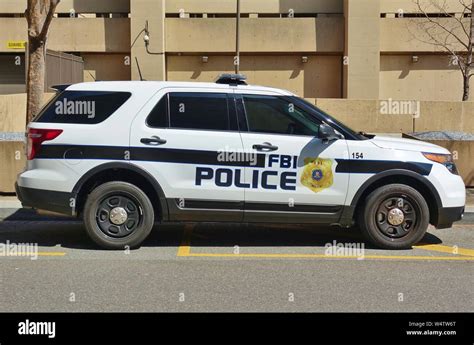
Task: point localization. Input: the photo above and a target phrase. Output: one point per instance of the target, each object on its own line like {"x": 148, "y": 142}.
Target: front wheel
{"x": 395, "y": 216}
{"x": 118, "y": 215}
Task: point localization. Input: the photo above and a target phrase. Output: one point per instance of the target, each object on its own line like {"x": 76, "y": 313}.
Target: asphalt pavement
{"x": 232, "y": 267}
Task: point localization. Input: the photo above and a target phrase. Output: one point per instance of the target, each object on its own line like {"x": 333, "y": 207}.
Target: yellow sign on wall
{"x": 16, "y": 44}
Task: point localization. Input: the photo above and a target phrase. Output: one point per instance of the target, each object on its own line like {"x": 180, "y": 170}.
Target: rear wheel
{"x": 118, "y": 215}
{"x": 395, "y": 216}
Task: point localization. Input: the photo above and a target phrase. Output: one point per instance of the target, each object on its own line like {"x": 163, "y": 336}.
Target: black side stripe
{"x": 146, "y": 154}
{"x": 254, "y": 206}
{"x": 209, "y": 204}
{"x": 356, "y": 166}
{"x": 190, "y": 157}
{"x": 83, "y": 152}
{"x": 155, "y": 154}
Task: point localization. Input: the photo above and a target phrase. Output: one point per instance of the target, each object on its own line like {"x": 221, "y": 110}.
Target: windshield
{"x": 348, "y": 132}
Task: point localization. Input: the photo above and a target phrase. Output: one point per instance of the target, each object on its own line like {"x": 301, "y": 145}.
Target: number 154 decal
{"x": 357, "y": 155}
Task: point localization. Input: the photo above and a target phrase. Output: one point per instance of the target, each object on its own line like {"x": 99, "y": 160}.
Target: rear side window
{"x": 84, "y": 107}
{"x": 199, "y": 110}
{"x": 158, "y": 117}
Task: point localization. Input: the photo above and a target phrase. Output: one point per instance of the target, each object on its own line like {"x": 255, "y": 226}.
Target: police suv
{"x": 124, "y": 155}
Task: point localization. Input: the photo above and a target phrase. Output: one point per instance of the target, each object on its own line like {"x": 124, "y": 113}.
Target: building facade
{"x": 355, "y": 49}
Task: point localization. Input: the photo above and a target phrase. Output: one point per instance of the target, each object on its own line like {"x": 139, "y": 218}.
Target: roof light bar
{"x": 231, "y": 79}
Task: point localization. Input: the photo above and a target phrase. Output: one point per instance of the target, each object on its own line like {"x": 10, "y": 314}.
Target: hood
{"x": 407, "y": 145}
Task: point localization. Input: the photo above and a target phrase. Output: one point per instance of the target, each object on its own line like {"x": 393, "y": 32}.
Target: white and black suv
{"x": 126, "y": 155}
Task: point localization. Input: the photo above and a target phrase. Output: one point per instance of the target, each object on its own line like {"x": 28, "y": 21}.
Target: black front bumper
{"x": 448, "y": 215}
{"x": 48, "y": 200}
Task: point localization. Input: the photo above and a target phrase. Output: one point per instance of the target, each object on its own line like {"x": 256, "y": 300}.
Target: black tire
{"x": 104, "y": 210}
{"x": 378, "y": 219}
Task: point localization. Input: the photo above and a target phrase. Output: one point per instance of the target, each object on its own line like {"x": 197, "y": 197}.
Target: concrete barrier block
{"x": 468, "y": 117}
{"x": 440, "y": 116}
{"x": 463, "y": 152}
{"x": 366, "y": 115}
{"x": 13, "y": 158}
{"x": 13, "y": 111}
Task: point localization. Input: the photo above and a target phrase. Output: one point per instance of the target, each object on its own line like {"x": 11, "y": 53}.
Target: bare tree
{"x": 449, "y": 32}
{"x": 39, "y": 14}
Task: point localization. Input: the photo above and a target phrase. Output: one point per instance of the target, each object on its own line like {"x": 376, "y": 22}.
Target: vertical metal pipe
{"x": 237, "y": 40}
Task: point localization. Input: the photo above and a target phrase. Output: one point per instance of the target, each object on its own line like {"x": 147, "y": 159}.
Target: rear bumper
{"x": 448, "y": 215}
{"x": 42, "y": 199}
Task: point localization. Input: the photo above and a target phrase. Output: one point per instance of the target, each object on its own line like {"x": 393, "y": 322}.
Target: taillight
{"x": 36, "y": 136}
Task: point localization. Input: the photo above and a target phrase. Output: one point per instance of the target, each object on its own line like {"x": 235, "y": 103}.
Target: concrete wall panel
{"x": 74, "y": 35}
{"x": 257, "y": 35}
{"x": 449, "y": 116}
{"x": 409, "y": 6}
{"x": 13, "y": 112}
{"x": 252, "y": 6}
{"x": 106, "y": 67}
{"x": 362, "y": 48}
{"x": 84, "y": 6}
{"x": 463, "y": 151}
{"x": 364, "y": 115}
{"x": 152, "y": 63}
{"x": 13, "y": 158}
{"x": 319, "y": 77}
{"x": 433, "y": 77}
{"x": 409, "y": 35}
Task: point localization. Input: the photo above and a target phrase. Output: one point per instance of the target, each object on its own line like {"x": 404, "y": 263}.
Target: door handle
{"x": 154, "y": 140}
{"x": 265, "y": 146}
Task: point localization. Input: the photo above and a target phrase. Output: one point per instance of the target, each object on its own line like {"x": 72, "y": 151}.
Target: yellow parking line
{"x": 323, "y": 256}
{"x": 446, "y": 249}
{"x": 39, "y": 254}
{"x": 51, "y": 253}
{"x": 184, "y": 250}
{"x": 185, "y": 246}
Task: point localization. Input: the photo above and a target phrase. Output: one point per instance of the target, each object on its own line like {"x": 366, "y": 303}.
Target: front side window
{"x": 333, "y": 122}
{"x": 199, "y": 110}
{"x": 275, "y": 115}
{"x": 82, "y": 107}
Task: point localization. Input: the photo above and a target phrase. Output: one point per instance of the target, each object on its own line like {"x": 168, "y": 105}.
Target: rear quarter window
{"x": 82, "y": 107}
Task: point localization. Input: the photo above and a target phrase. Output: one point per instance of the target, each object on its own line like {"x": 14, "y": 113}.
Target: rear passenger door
{"x": 179, "y": 137}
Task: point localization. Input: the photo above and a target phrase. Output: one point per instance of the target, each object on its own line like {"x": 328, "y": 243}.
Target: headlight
{"x": 445, "y": 159}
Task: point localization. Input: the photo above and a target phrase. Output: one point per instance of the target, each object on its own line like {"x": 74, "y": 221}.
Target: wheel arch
{"x": 399, "y": 176}
{"x": 119, "y": 171}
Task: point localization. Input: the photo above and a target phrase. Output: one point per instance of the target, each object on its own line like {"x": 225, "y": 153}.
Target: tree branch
{"x": 434, "y": 22}
{"x": 49, "y": 18}
{"x": 460, "y": 20}
{"x": 466, "y": 7}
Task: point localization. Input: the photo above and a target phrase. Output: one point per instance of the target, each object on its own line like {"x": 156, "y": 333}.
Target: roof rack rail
{"x": 231, "y": 79}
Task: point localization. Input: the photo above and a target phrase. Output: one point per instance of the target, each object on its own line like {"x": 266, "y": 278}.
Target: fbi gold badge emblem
{"x": 317, "y": 174}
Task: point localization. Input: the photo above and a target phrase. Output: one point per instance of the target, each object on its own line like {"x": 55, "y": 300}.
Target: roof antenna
{"x": 139, "y": 70}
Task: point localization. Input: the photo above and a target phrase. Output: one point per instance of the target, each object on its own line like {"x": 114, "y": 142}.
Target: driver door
{"x": 294, "y": 178}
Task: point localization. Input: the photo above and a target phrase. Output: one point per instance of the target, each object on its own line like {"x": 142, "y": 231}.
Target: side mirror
{"x": 327, "y": 133}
